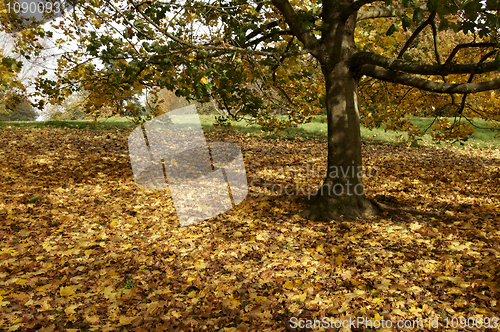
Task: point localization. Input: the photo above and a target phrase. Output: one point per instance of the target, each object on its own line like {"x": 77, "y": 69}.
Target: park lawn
{"x": 483, "y": 137}
{"x": 83, "y": 248}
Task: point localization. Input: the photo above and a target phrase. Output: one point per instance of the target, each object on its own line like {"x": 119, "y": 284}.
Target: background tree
{"x": 258, "y": 58}
{"x": 72, "y": 108}
{"x": 24, "y": 53}
{"x": 12, "y": 90}
{"x": 23, "y": 111}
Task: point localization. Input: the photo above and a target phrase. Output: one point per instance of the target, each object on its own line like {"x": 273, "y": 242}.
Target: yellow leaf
{"x": 21, "y": 282}
{"x": 338, "y": 260}
{"x": 192, "y": 294}
{"x": 398, "y": 312}
{"x": 191, "y": 278}
{"x": 110, "y": 293}
{"x": 200, "y": 265}
{"x": 124, "y": 320}
{"x": 319, "y": 248}
{"x": 288, "y": 285}
{"x": 66, "y": 291}
{"x": 204, "y": 81}
{"x": 71, "y": 309}
{"x": 176, "y": 314}
{"x": 152, "y": 307}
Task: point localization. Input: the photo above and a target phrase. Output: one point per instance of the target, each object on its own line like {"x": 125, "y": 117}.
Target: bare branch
{"x": 434, "y": 36}
{"x": 414, "y": 35}
{"x": 268, "y": 36}
{"x": 368, "y": 58}
{"x": 428, "y": 85}
{"x": 467, "y": 45}
{"x": 471, "y": 77}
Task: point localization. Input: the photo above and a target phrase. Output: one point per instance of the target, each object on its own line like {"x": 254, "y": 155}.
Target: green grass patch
{"x": 77, "y": 124}
{"x": 484, "y": 137}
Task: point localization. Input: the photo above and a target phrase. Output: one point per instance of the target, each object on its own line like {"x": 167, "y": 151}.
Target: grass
{"x": 77, "y": 124}
{"x": 482, "y": 138}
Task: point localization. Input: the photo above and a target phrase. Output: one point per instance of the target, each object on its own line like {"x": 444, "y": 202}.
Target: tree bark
{"x": 342, "y": 192}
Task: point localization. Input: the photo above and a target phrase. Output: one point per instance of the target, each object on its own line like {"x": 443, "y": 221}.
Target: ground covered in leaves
{"x": 84, "y": 249}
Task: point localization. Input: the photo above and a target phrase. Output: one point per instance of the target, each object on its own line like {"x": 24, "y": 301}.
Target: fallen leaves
{"x": 96, "y": 252}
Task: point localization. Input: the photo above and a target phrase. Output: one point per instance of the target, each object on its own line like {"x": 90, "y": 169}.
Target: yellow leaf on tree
{"x": 204, "y": 81}
{"x": 288, "y": 285}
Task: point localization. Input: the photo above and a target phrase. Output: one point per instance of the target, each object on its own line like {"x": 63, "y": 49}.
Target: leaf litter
{"x": 83, "y": 248}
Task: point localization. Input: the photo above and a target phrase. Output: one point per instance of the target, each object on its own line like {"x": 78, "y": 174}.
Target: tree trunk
{"x": 342, "y": 192}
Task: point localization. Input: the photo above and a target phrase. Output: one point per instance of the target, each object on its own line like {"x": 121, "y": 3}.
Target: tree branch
{"x": 164, "y": 32}
{"x": 414, "y": 35}
{"x": 367, "y": 58}
{"x": 467, "y": 45}
{"x": 434, "y": 36}
{"x": 306, "y": 37}
{"x": 260, "y": 30}
{"x": 265, "y": 37}
{"x": 353, "y": 8}
{"x": 427, "y": 85}
{"x": 471, "y": 77}
{"x": 376, "y": 12}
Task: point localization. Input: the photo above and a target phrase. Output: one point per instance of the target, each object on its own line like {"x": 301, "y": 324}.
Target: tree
{"x": 12, "y": 90}
{"x": 72, "y": 108}
{"x": 23, "y": 111}
{"x": 257, "y": 58}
